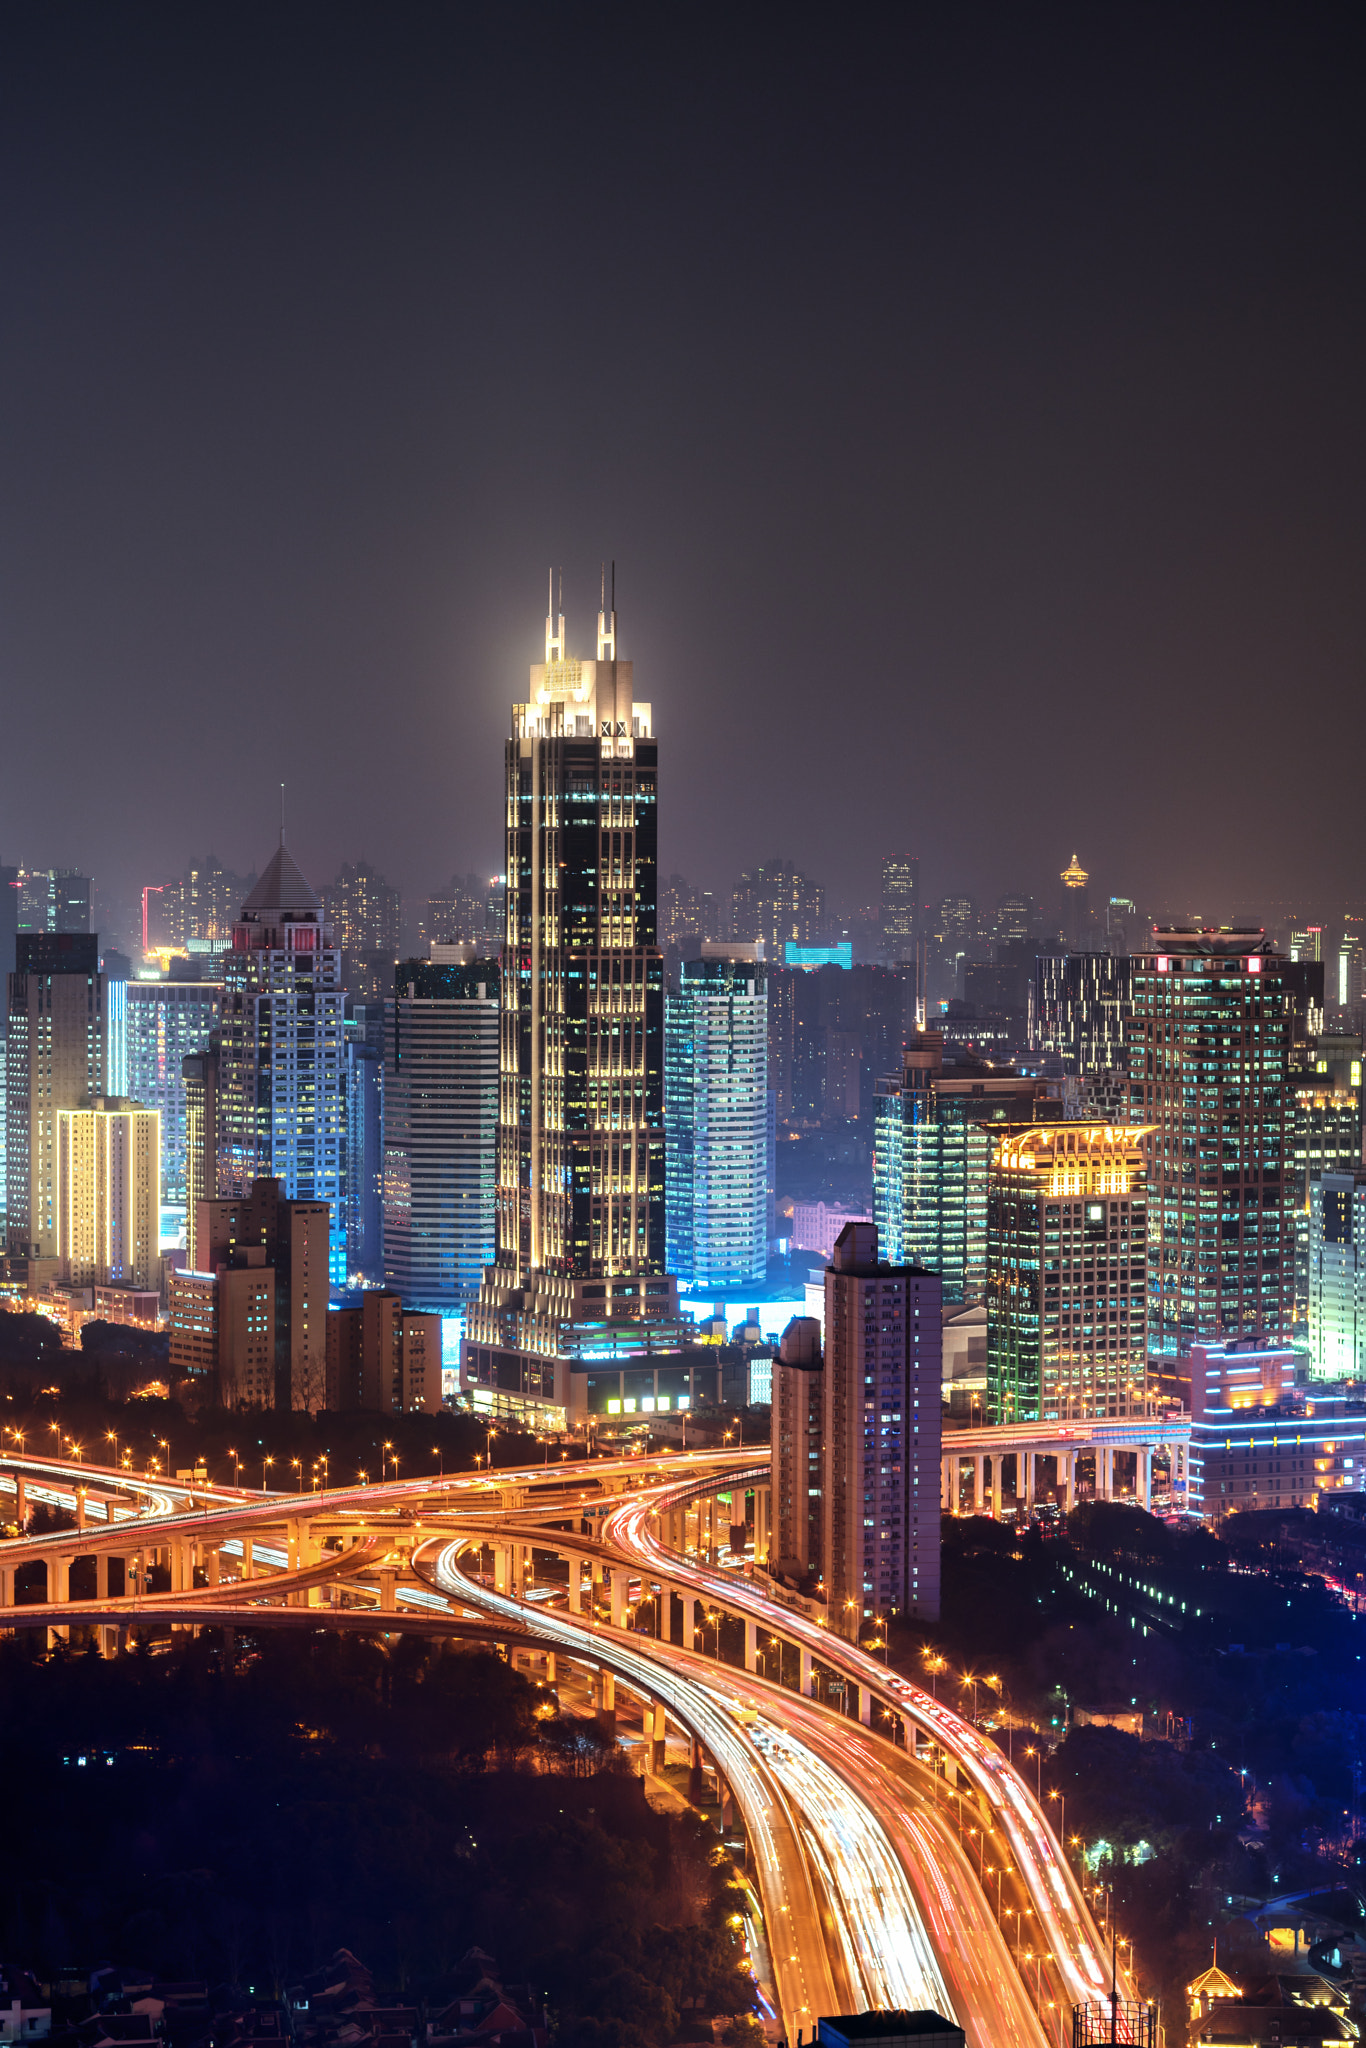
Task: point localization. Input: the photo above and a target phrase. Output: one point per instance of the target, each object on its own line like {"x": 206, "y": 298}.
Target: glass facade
{"x": 716, "y": 1124}
{"x": 1210, "y": 1060}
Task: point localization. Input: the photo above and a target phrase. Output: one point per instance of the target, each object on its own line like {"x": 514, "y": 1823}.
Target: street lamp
{"x": 1037, "y": 1754}
{"x": 1061, "y": 1830}
{"x": 266, "y": 1464}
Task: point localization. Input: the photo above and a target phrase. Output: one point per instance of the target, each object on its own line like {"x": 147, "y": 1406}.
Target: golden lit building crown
{"x": 1074, "y": 875}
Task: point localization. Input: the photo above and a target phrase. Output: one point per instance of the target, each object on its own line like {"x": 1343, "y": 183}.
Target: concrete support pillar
{"x": 551, "y": 1668}
{"x": 1067, "y": 1480}
{"x": 213, "y": 1561}
{"x": 948, "y": 1505}
{"x": 80, "y": 1507}
{"x": 388, "y": 1579}
{"x": 108, "y": 1640}
{"x": 865, "y": 1706}
{"x": 1105, "y": 1473}
{"x": 695, "y": 1771}
{"x": 751, "y": 1644}
{"x": 6, "y": 1585}
{"x": 761, "y": 1500}
{"x": 996, "y": 1501}
{"x": 805, "y": 1679}
{"x": 248, "y": 1567}
{"x": 979, "y": 1482}
{"x": 501, "y": 1568}
{"x": 1143, "y": 1487}
{"x": 20, "y": 1500}
{"x": 657, "y": 1723}
{"x": 617, "y": 1594}
{"x": 692, "y": 1621}
{"x": 1029, "y": 1475}
{"x": 59, "y": 1579}
{"x": 585, "y": 1589}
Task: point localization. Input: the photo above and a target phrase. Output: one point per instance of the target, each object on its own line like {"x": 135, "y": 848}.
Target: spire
{"x": 554, "y": 641}
{"x": 282, "y": 814}
{"x": 607, "y": 620}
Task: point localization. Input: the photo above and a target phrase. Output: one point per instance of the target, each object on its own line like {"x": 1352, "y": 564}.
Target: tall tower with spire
{"x": 580, "y": 1199}
{"x": 281, "y": 1100}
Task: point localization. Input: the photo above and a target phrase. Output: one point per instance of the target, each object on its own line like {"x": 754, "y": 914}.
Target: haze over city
{"x": 978, "y": 436}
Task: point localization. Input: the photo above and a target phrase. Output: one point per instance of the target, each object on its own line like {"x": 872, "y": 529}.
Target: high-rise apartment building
{"x": 383, "y": 1356}
{"x": 365, "y": 913}
{"x": 580, "y": 1216}
{"x": 797, "y": 1472}
{"x": 108, "y": 1193}
{"x": 716, "y": 1123}
{"x": 151, "y": 1027}
{"x": 1213, "y": 1016}
{"x": 55, "y": 1061}
{"x": 1080, "y": 1005}
{"x": 1337, "y": 1275}
{"x": 936, "y": 1128}
{"x": 880, "y": 1435}
{"x": 900, "y": 907}
{"x": 441, "y": 1039}
{"x": 1067, "y": 1274}
{"x": 258, "y": 1299}
{"x": 775, "y": 906}
{"x": 282, "y": 1059}
{"x": 210, "y": 899}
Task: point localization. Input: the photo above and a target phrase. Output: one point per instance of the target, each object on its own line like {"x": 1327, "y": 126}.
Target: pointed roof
{"x": 282, "y": 888}
{"x": 1215, "y": 1984}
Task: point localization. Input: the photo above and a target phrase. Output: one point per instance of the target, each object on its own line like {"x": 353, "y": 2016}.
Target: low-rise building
{"x": 1258, "y": 1441}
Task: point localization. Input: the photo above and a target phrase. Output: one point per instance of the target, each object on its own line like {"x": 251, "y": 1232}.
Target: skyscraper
{"x": 581, "y": 1138}
{"x": 55, "y": 1061}
{"x": 1079, "y": 1009}
{"x": 199, "y": 1072}
{"x": 151, "y": 1027}
{"x": 364, "y": 912}
{"x": 935, "y": 1130}
{"x": 53, "y": 900}
{"x": 282, "y": 1062}
{"x": 441, "y": 1035}
{"x": 775, "y": 906}
{"x": 1074, "y": 924}
{"x": 1213, "y": 1018}
{"x": 257, "y": 1301}
{"x": 797, "y": 1470}
{"x": 716, "y": 1123}
{"x": 880, "y": 1432}
{"x": 1067, "y": 1308}
{"x": 1323, "y": 1135}
{"x": 108, "y": 1193}
{"x": 1337, "y": 1275}
{"x": 900, "y": 907}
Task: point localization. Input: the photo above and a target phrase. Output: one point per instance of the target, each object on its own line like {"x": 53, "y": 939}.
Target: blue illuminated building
{"x": 716, "y": 1120}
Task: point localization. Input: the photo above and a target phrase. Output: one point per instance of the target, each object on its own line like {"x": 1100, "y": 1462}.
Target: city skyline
{"x": 1077, "y": 473}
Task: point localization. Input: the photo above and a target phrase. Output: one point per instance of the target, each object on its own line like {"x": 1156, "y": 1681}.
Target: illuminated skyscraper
{"x": 55, "y": 1061}
{"x": 109, "y": 1193}
{"x": 716, "y": 1123}
{"x": 1079, "y": 1009}
{"x": 364, "y": 912}
{"x": 441, "y": 1032}
{"x": 900, "y": 907}
{"x": 935, "y": 1130}
{"x": 1337, "y": 1275}
{"x": 1076, "y": 906}
{"x": 282, "y": 1062}
{"x": 151, "y": 1027}
{"x": 580, "y": 1224}
{"x": 1213, "y": 1019}
{"x": 1067, "y": 1311}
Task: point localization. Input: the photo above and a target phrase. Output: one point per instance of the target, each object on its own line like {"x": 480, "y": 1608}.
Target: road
{"x": 868, "y": 1895}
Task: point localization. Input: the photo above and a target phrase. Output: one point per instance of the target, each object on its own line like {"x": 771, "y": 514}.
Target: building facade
{"x": 580, "y": 1187}
{"x": 900, "y": 907}
{"x": 1336, "y": 1275}
{"x": 264, "y": 1255}
{"x": 1067, "y": 1279}
{"x": 152, "y": 1027}
{"x": 281, "y": 1096}
{"x": 1213, "y": 1019}
{"x": 1080, "y": 1006}
{"x": 716, "y": 1123}
{"x": 364, "y": 913}
{"x": 384, "y": 1357}
{"x": 795, "y": 1408}
{"x": 935, "y": 1130}
{"x": 54, "y": 1061}
{"x": 1323, "y": 1135}
{"x": 109, "y": 1194}
{"x": 1258, "y": 1441}
{"x": 880, "y": 1435}
{"x": 441, "y": 1039}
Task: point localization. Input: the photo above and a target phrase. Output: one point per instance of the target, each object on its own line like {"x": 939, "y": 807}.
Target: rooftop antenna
{"x": 607, "y": 621}
{"x": 282, "y": 814}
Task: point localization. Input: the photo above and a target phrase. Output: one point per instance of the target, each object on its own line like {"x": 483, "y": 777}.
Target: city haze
{"x": 970, "y": 402}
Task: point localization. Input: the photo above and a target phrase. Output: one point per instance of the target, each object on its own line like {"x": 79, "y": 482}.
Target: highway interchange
{"x": 898, "y": 1859}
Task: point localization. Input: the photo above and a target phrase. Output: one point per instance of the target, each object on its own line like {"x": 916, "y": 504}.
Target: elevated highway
{"x": 898, "y": 1858}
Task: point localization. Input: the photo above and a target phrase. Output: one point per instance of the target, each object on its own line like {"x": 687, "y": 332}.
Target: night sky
{"x": 971, "y": 398}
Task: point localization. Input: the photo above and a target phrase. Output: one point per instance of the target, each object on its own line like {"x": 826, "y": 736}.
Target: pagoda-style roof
{"x": 1213, "y": 1983}
{"x": 1074, "y": 875}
